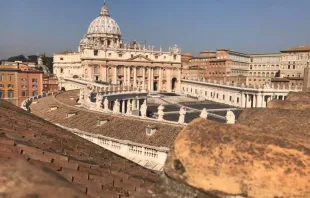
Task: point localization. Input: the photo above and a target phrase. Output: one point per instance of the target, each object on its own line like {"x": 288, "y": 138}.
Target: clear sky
{"x": 32, "y": 26}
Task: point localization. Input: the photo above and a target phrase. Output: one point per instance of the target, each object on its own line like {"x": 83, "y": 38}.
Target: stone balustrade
{"x": 34, "y": 99}
{"x": 244, "y": 86}
{"x": 148, "y": 156}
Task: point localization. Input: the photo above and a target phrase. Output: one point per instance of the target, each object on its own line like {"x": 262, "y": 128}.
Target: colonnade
{"x": 259, "y": 100}
{"x": 128, "y": 105}
{"x": 235, "y": 96}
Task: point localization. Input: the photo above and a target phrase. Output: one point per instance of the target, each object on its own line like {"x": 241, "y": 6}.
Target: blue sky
{"x": 32, "y": 26}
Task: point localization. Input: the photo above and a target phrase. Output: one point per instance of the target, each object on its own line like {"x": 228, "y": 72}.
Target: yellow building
{"x": 9, "y": 83}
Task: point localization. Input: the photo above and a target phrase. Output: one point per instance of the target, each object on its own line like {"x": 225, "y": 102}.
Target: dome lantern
{"x": 104, "y": 10}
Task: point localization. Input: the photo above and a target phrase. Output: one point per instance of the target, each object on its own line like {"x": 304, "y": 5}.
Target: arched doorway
{"x": 173, "y": 83}
{"x": 155, "y": 86}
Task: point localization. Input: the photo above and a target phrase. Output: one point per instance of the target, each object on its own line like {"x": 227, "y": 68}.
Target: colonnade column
{"x": 259, "y": 100}
{"x": 243, "y": 100}
{"x": 248, "y": 101}
{"x": 133, "y": 104}
{"x": 254, "y": 101}
{"x": 138, "y": 104}
{"x": 123, "y": 106}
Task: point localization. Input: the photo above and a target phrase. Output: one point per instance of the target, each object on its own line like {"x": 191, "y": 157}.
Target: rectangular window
{"x": 120, "y": 55}
{"x": 10, "y": 94}
{"x": 1, "y": 77}
{"x": 34, "y": 93}
{"x": 96, "y": 52}
{"x": 24, "y": 80}
{"x": 10, "y": 86}
{"x": 34, "y": 80}
{"x": 1, "y": 94}
{"x": 10, "y": 77}
{"x": 61, "y": 58}
{"x": 24, "y": 93}
{"x": 1, "y": 85}
{"x": 24, "y": 86}
{"x": 110, "y": 54}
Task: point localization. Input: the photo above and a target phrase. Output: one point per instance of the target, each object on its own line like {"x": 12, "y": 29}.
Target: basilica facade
{"x": 103, "y": 56}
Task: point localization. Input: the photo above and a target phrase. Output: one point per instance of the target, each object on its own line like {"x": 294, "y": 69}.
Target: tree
{"x": 17, "y": 58}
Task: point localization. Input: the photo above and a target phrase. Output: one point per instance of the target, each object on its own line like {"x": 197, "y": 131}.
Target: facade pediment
{"x": 140, "y": 58}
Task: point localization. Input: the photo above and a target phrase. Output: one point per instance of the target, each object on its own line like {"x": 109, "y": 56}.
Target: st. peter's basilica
{"x": 103, "y": 56}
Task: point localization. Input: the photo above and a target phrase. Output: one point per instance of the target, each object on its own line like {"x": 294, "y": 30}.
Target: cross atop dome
{"x": 104, "y": 10}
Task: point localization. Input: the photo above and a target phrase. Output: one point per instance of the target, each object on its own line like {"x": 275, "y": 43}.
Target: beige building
{"x": 294, "y": 61}
{"x": 102, "y": 56}
{"x": 263, "y": 67}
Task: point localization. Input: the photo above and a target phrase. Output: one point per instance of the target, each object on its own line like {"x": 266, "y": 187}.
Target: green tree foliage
{"x": 48, "y": 61}
{"x": 17, "y": 58}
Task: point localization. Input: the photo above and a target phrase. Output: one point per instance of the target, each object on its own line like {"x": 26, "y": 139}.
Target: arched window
{"x": 61, "y": 70}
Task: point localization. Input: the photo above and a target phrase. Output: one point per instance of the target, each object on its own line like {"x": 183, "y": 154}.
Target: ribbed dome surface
{"x": 104, "y": 25}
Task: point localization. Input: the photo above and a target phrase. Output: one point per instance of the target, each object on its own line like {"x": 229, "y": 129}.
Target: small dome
{"x": 104, "y": 24}
{"x": 84, "y": 41}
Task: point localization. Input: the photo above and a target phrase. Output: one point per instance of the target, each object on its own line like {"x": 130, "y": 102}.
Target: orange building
{"x": 9, "y": 83}
{"x": 50, "y": 83}
{"x": 30, "y": 82}
{"x": 18, "y": 82}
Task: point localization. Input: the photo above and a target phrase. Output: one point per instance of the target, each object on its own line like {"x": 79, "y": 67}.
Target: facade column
{"x": 129, "y": 76}
{"x": 135, "y": 76}
{"x": 149, "y": 79}
{"x": 125, "y": 76}
{"x": 143, "y": 78}
{"x": 168, "y": 78}
{"x": 103, "y": 73}
{"x": 160, "y": 78}
{"x": 152, "y": 79}
{"x": 283, "y": 98}
{"x": 114, "y": 78}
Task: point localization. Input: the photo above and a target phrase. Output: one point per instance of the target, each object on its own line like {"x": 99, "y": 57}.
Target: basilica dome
{"x": 104, "y": 24}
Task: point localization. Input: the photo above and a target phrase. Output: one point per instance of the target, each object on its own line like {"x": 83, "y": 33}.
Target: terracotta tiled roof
{"x": 305, "y": 48}
{"x": 123, "y": 128}
{"x": 90, "y": 168}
